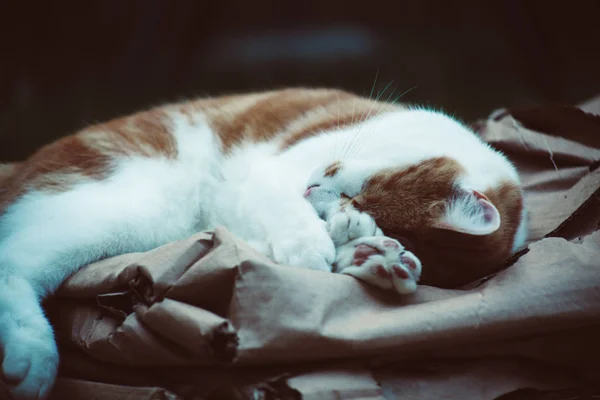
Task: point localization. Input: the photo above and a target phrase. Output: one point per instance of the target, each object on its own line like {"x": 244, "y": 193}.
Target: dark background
{"x": 66, "y": 65}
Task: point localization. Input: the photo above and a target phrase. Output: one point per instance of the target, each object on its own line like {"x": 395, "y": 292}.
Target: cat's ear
{"x": 471, "y": 212}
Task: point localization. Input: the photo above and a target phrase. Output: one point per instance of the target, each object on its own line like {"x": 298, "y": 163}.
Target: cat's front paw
{"x": 348, "y": 224}
{"x": 312, "y": 249}
{"x": 30, "y": 365}
{"x": 380, "y": 261}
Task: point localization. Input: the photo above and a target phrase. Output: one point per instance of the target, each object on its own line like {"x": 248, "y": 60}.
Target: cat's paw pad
{"x": 29, "y": 367}
{"x": 380, "y": 261}
{"x": 348, "y": 224}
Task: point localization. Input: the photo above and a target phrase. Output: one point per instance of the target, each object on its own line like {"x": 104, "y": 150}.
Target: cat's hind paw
{"x": 29, "y": 367}
{"x": 380, "y": 261}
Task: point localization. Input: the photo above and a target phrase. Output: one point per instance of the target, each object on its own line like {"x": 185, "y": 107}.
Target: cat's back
{"x": 197, "y": 134}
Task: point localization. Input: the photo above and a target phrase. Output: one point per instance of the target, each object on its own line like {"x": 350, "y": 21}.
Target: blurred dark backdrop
{"x": 65, "y": 65}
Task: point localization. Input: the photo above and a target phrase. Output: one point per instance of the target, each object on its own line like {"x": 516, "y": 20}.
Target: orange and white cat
{"x": 319, "y": 179}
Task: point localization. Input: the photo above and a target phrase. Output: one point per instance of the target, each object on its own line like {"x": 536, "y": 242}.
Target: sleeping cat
{"x": 319, "y": 179}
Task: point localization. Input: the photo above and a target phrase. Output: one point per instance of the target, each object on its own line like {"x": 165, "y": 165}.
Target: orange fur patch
{"x": 290, "y": 115}
{"x": 88, "y": 154}
{"x": 259, "y": 117}
{"x": 409, "y": 198}
{"x": 6, "y": 171}
{"x": 145, "y": 134}
{"x": 337, "y": 112}
{"x": 333, "y": 169}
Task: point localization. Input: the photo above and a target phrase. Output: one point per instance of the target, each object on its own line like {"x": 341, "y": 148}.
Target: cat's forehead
{"x": 382, "y": 175}
{"x": 347, "y": 175}
{"x": 433, "y": 176}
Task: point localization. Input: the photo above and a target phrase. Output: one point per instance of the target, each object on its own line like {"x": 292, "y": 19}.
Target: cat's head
{"x": 459, "y": 232}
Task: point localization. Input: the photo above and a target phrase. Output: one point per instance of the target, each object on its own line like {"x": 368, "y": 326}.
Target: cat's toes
{"x": 29, "y": 367}
{"x": 349, "y": 224}
{"x": 380, "y": 261}
{"x": 406, "y": 273}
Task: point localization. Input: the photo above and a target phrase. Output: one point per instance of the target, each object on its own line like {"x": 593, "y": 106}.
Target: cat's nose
{"x": 309, "y": 190}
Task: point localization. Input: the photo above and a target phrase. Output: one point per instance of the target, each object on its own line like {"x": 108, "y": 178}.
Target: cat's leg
{"x": 273, "y": 217}
{"x": 45, "y": 237}
{"x": 379, "y": 261}
{"x": 30, "y": 355}
{"x": 293, "y": 235}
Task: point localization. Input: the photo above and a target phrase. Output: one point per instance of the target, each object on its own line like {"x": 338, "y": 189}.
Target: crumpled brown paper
{"x": 209, "y": 316}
